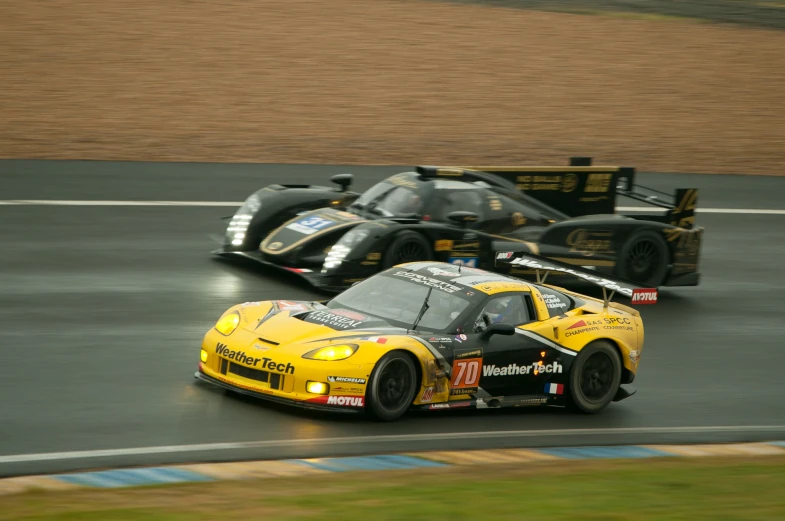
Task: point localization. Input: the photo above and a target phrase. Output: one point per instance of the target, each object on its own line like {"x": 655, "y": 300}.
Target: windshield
{"x": 390, "y": 200}
{"x": 398, "y": 301}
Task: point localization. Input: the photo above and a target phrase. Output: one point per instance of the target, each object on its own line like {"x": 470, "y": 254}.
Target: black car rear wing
{"x": 542, "y": 267}
{"x": 583, "y": 189}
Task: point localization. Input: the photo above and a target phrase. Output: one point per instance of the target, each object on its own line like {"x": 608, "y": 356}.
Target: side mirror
{"x": 498, "y": 329}
{"x": 343, "y": 180}
{"x": 463, "y": 217}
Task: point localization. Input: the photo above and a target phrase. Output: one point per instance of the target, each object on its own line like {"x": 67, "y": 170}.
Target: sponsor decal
{"x": 515, "y": 369}
{"x": 569, "y": 182}
{"x": 427, "y": 394}
{"x": 268, "y": 364}
{"x": 377, "y": 339}
{"x": 352, "y": 390}
{"x": 427, "y": 281}
{"x": 333, "y": 320}
{"x": 554, "y": 388}
{"x": 598, "y": 182}
{"x": 504, "y": 255}
{"x": 454, "y": 405}
{"x": 288, "y": 305}
{"x": 600, "y": 281}
{"x": 470, "y": 262}
{"x": 580, "y": 331}
{"x": 442, "y": 245}
{"x": 275, "y": 246}
{"x": 346, "y": 379}
{"x": 589, "y": 243}
{"x": 343, "y": 401}
{"x": 553, "y": 302}
{"x": 644, "y": 296}
{"x": 538, "y": 182}
{"x": 531, "y": 401}
{"x": 580, "y": 323}
{"x": 635, "y": 356}
{"x": 260, "y": 347}
{"x": 460, "y": 338}
{"x": 349, "y": 314}
{"x": 440, "y": 339}
{"x": 518, "y": 219}
{"x": 310, "y": 225}
{"x": 443, "y": 273}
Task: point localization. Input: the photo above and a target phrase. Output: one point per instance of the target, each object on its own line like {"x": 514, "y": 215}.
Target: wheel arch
{"x": 627, "y": 376}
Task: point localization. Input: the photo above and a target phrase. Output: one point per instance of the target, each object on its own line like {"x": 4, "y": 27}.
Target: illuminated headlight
{"x": 203, "y": 356}
{"x": 341, "y": 249}
{"x": 235, "y": 232}
{"x": 317, "y": 387}
{"x": 332, "y": 353}
{"x": 228, "y": 323}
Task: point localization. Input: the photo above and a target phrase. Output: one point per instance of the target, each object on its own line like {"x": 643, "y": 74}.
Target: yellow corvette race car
{"x": 431, "y": 335}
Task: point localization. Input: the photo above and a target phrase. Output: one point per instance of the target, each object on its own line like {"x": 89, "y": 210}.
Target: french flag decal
{"x": 554, "y": 388}
{"x": 377, "y": 339}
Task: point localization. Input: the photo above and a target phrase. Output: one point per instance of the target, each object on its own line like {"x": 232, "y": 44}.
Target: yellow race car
{"x": 431, "y": 335}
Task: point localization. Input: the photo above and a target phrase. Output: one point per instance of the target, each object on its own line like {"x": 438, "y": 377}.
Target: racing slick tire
{"x": 408, "y": 246}
{"x": 392, "y": 387}
{"x": 644, "y": 259}
{"x": 595, "y": 377}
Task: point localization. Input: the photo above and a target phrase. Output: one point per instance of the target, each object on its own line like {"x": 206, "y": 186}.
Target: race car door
{"x": 502, "y": 365}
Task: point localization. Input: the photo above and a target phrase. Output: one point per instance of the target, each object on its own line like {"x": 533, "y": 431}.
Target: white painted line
{"x": 354, "y": 440}
{"x": 48, "y": 202}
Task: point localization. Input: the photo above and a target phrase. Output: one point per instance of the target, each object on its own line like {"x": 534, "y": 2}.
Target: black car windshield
{"x": 395, "y": 298}
{"x": 390, "y": 200}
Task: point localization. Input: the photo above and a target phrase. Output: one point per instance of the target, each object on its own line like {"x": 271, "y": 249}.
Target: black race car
{"x": 334, "y": 237}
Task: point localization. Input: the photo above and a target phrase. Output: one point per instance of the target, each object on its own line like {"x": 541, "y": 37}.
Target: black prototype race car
{"x": 334, "y": 237}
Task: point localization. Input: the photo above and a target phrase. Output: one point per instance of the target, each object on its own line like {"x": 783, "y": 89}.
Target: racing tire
{"x": 595, "y": 377}
{"x": 645, "y": 259}
{"x": 408, "y": 246}
{"x": 392, "y": 387}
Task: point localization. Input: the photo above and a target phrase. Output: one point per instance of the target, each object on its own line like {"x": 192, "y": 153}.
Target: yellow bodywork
{"x": 278, "y": 344}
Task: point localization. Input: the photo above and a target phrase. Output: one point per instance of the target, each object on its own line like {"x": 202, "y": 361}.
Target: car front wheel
{"x": 392, "y": 386}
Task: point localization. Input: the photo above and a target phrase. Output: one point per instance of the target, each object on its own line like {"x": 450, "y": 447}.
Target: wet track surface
{"x": 103, "y": 310}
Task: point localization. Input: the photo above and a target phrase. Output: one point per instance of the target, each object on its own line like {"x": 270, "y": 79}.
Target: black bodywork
{"x": 336, "y": 237}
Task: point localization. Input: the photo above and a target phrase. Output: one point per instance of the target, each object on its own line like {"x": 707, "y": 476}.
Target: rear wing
{"x": 583, "y": 189}
{"x": 542, "y": 267}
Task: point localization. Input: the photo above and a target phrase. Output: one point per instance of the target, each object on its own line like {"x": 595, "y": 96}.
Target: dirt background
{"x": 387, "y": 81}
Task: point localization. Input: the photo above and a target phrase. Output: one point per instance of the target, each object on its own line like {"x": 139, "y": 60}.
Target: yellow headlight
{"x": 227, "y": 324}
{"x": 203, "y": 356}
{"x": 332, "y": 353}
{"x": 317, "y": 387}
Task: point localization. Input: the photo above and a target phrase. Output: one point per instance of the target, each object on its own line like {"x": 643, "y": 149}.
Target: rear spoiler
{"x": 542, "y": 267}
{"x": 583, "y": 189}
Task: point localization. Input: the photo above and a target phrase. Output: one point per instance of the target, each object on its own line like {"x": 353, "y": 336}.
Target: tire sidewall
{"x": 401, "y": 239}
{"x": 658, "y": 277}
{"x": 577, "y": 400}
{"x": 372, "y": 405}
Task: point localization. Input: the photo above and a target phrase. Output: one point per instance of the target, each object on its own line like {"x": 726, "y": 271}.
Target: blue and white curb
{"x": 243, "y": 470}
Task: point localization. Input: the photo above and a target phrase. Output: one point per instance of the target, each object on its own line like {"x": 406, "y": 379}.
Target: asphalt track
{"x": 103, "y": 309}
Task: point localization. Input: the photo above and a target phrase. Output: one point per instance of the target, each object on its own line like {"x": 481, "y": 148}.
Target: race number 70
{"x": 466, "y": 373}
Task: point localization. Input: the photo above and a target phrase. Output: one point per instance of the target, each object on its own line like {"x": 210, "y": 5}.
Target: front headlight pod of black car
{"x": 343, "y": 247}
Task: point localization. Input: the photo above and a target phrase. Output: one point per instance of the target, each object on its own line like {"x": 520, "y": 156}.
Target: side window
{"x": 557, "y": 303}
{"x": 446, "y": 201}
{"x": 507, "y": 309}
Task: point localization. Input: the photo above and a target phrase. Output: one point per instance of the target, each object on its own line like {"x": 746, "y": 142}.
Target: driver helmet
{"x": 500, "y": 309}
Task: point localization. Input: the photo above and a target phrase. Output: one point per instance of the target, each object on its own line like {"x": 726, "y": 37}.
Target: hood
{"x": 284, "y": 322}
{"x": 307, "y": 227}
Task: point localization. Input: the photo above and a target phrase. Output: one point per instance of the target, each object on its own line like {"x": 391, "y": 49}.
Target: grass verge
{"x": 662, "y": 489}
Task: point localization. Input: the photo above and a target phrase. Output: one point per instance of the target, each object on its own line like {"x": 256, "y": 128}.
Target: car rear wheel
{"x": 595, "y": 377}
{"x": 407, "y": 246}
{"x": 644, "y": 259}
{"x": 392, "y": 386}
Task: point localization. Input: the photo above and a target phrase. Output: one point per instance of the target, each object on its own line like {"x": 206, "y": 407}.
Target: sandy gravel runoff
{"x": 385, "y": 81}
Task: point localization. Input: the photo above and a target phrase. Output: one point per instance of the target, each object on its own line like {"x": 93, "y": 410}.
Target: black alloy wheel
{"x": 645, "y": 259}
{"x": 392, "y": 386}
{"x": 408, "y": 246}
{"x": 595, "y": 377}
